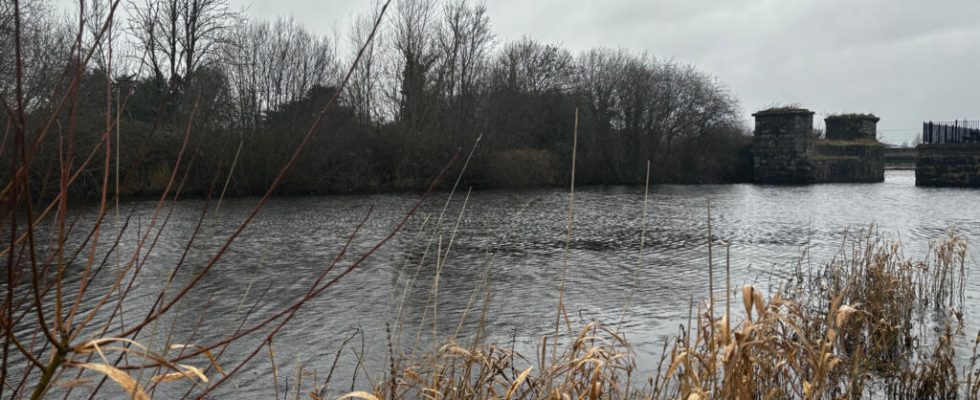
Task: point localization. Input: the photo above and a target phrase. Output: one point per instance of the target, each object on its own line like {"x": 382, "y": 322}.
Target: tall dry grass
{"x": 870, "y": 323}
{"x": 61, "y": 338}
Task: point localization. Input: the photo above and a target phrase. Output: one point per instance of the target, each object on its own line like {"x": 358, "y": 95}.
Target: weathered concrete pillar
{"x": 955, "y": 165}
{"x": 852, "y": 127}
{"x": 782, "y": 143}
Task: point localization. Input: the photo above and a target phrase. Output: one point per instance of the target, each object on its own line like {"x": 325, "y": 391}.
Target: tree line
{"x": 434, "y": 81}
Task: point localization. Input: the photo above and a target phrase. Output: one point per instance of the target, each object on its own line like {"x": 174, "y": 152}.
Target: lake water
{"x": 516, "y": 239}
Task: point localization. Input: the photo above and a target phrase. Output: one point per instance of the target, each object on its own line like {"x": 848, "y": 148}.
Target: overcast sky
{"x": 905, "y": 60}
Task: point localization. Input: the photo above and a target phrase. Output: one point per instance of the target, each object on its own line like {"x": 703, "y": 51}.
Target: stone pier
{"x": 955, "y": 165}
{"x": 782, "y": 144}
{"x": 786, "y": 150}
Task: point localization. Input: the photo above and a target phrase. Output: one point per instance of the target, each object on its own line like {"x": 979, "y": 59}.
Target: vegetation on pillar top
{"x": 851, "y": 116}
{"x": 783, "y": 110}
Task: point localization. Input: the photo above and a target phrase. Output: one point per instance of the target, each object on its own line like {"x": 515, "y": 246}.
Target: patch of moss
{"x": 789, "y": 109}
{"x": 853, "y": 116}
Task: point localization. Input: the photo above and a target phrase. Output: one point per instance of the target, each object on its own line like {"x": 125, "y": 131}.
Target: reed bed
{"x": 870, "y": 323}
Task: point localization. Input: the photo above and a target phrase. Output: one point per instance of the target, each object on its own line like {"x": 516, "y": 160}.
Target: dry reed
{"x": 869, "y": 323}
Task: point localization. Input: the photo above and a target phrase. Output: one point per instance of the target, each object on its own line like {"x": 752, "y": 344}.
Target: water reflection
{"x": 513, "y": 241}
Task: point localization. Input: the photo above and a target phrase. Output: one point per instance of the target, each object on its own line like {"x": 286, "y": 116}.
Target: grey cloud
{"x": 907, "y": 61}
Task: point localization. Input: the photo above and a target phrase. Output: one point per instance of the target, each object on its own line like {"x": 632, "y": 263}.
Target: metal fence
{"x": 951, "y": 132}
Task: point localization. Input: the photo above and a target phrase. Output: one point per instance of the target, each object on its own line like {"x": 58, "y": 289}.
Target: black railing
{"x": 951, "y": 132}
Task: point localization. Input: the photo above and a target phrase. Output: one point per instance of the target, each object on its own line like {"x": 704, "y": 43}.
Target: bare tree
{"x": 6, "y": 35}
{"x": 636, "y": 90}
{"x": 95, "y": 13}
{"x": 178, "y": 37}
{"x": 415, "y": 58}
{"x": 242, "y": 68}
{"x": 464, "y": 43}
{"x": 529, "y": 66}
{"x": 273, "y": 64}
{"x": 45, "y": 43}
{"x": 362, "y": 93}
{"x": 597, "y": 75}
